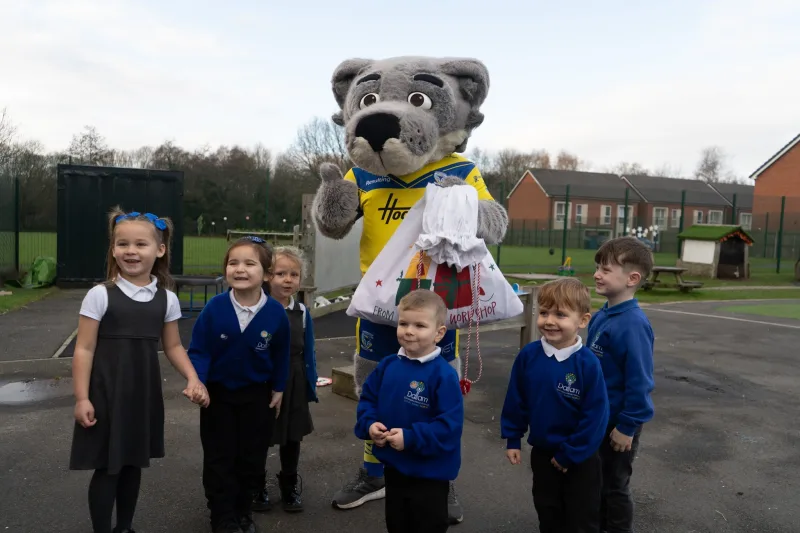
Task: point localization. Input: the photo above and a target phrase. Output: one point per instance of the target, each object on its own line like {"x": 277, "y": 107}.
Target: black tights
{"x": 290, "y": 457}
{"x": 105, "y": 489}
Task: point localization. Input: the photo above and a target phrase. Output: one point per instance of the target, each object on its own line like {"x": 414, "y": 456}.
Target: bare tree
{"x": 7, "y": 132}
{"x": 668, "y": 171}
{"x": 317, "y": 142}
{"x": 712, "y": 165}
{"x": 89, "y": 148}
{"x": 567, "y": 161}
{"x": 628, "y": 169}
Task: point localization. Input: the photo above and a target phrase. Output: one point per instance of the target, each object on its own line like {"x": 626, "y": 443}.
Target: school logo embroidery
{"x": 595, "y": 347}
{"x": 264, "y": 344}
{"x": 223, "y": 336}
{"x": 568, "y": 390}
{"x": 415, "y": 396}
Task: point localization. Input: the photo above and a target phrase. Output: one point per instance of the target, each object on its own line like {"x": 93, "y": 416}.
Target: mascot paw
{"x": 443, "y": 180}
{"x": 335, "y": 206}
{"x": 330, "y": 172}
{"x": 492, "y": 221}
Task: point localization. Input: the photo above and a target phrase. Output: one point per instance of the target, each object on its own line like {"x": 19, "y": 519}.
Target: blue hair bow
{"x": 158, "y": 222}
{"x": 257, "y": 240}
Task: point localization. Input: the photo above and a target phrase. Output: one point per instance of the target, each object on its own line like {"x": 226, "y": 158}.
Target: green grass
{"x": 22, "y": 297}
{"x": 770, "y": 310}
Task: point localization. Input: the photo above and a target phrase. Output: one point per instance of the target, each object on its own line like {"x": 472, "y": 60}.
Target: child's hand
{"x": 620, "y": 442}
{"x": 514, "y": 456}
{"x": 558, "y": 466}
{"x": 277, "y": 398}
{"x": 395, "y": 439}
{"x": 377, "y": 432}
{"x": 84, "y": 413}
{"x": 197, "y": 392}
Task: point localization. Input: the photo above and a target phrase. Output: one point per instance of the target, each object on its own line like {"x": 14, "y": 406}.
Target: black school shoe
{"x": 261, "y": 503}
{"x": 246, "y": 524}
{"x": 118, "y": 530}
{"x": 290, "y": 492}
{"x": 227, "y": 526}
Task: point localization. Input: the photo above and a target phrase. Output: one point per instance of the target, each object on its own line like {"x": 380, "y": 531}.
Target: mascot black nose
{"x": 378, "y": 128}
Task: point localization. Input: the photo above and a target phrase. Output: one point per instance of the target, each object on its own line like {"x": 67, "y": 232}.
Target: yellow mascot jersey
{"x": 385, "y": 200}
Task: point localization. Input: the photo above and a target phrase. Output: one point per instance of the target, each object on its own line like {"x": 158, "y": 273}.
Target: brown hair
{"x": 420, "y": 299}
{"x": 163, "y": 236}
{"x": 263, "y": 251}
{"x": 294, "y": 254}
{"x": 628, "y": 252}
{"x": 565, "y": 293}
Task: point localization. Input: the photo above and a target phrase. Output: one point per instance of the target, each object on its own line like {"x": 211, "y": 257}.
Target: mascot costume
{"x": 405, "y": 120}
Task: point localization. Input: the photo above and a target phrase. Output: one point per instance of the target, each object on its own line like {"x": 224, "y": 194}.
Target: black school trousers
{"x": 616, "y": 509}
{"x": 235, "y": 431}
{"x": 415, "y": 505}
{"x": 566, "y": 502}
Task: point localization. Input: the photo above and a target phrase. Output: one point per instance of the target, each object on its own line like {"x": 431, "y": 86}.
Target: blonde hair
{"x": 565, "y": 293}
{"x": 420, "y": 299}
{"x": 294, "y": 254}
{"x": 163, "y": 236}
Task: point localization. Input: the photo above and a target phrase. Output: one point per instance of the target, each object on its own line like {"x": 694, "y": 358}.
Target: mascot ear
{"x": 473, "y": 79}
{"x": 343, "y": 77}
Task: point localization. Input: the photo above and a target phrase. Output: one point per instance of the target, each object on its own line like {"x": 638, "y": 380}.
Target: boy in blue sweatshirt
{"x": 621, "y": 337}
{"x": 556, "y": 391}
{"x": 412, "y": 408}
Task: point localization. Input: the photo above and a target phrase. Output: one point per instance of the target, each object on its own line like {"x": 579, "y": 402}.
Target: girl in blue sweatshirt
{"x": 294, "y": 421}
{"x": 411, "y": 407}
{"x": 557, "y": 393}
{"x": 240, "y": 350}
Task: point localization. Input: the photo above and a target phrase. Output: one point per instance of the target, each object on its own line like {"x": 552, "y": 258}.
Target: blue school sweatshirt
{"x": 222, "y": 353}
{"x": 622, "y": 339}
{"x": 423, "y": 397}
{"x": 563, "y": 404}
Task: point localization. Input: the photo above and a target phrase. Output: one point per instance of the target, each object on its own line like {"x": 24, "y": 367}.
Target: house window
{"x": 581, "y": 212}
{"x": 660, "y": 217}
{"x": 676, "y": 218}
{"x": 605, "y": 215}
{"x": 745, "y": 220}
{"x": 715, "y": 217}
{"x": 560, "y": 211}
{"x": 698, "y": 217}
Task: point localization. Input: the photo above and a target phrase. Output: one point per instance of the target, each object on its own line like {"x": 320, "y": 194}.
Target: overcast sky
{"x": 609, "y": 81}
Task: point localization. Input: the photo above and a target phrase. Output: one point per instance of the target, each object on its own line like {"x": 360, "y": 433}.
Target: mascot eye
{"x": 420, "y": 100}
{"x": 368, "y": 100}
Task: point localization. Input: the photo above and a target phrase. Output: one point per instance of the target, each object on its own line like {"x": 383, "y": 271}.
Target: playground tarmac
{"x": 721, "y": 455}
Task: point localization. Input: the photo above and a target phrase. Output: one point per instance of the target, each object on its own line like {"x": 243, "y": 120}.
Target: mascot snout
{"x": 392, "y": 138}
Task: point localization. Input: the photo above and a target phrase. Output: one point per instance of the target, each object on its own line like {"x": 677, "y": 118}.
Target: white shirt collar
{"x": 564, "y": 353}
{"x": 151, "y": 287}
{"x": 424, "y": 359}
{"x": 249, "y": 308}
{"x": 291, "y": 303}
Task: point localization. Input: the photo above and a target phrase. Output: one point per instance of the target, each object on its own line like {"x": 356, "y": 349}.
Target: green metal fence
{"x": 9, "y": 229}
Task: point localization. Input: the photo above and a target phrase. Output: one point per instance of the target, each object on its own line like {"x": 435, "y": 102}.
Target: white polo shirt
{"x": 95, "y": 303}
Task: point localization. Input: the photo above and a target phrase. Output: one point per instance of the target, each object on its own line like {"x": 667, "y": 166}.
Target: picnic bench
{"x": 680, "y": 283}
{"x": 197, "y": 281}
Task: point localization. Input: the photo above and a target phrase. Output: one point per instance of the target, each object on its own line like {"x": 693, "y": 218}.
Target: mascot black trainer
{"x": 406, "y": 119}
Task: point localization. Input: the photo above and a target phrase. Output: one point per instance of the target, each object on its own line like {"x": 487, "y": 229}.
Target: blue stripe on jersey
{"x": 368, "y": 182}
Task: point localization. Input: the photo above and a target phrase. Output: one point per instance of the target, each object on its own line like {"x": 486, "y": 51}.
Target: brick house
{"x": 739, "y": 197}
{"x": 596, "y": 200}
{"x": 660, "y": 203}
{"x": 778, "y": 176}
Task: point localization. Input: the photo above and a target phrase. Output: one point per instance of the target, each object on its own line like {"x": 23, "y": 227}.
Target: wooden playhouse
{"x": 715, "y": 251}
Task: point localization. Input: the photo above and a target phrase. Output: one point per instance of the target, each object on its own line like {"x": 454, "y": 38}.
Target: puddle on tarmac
{"x": 33, "y": 390}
